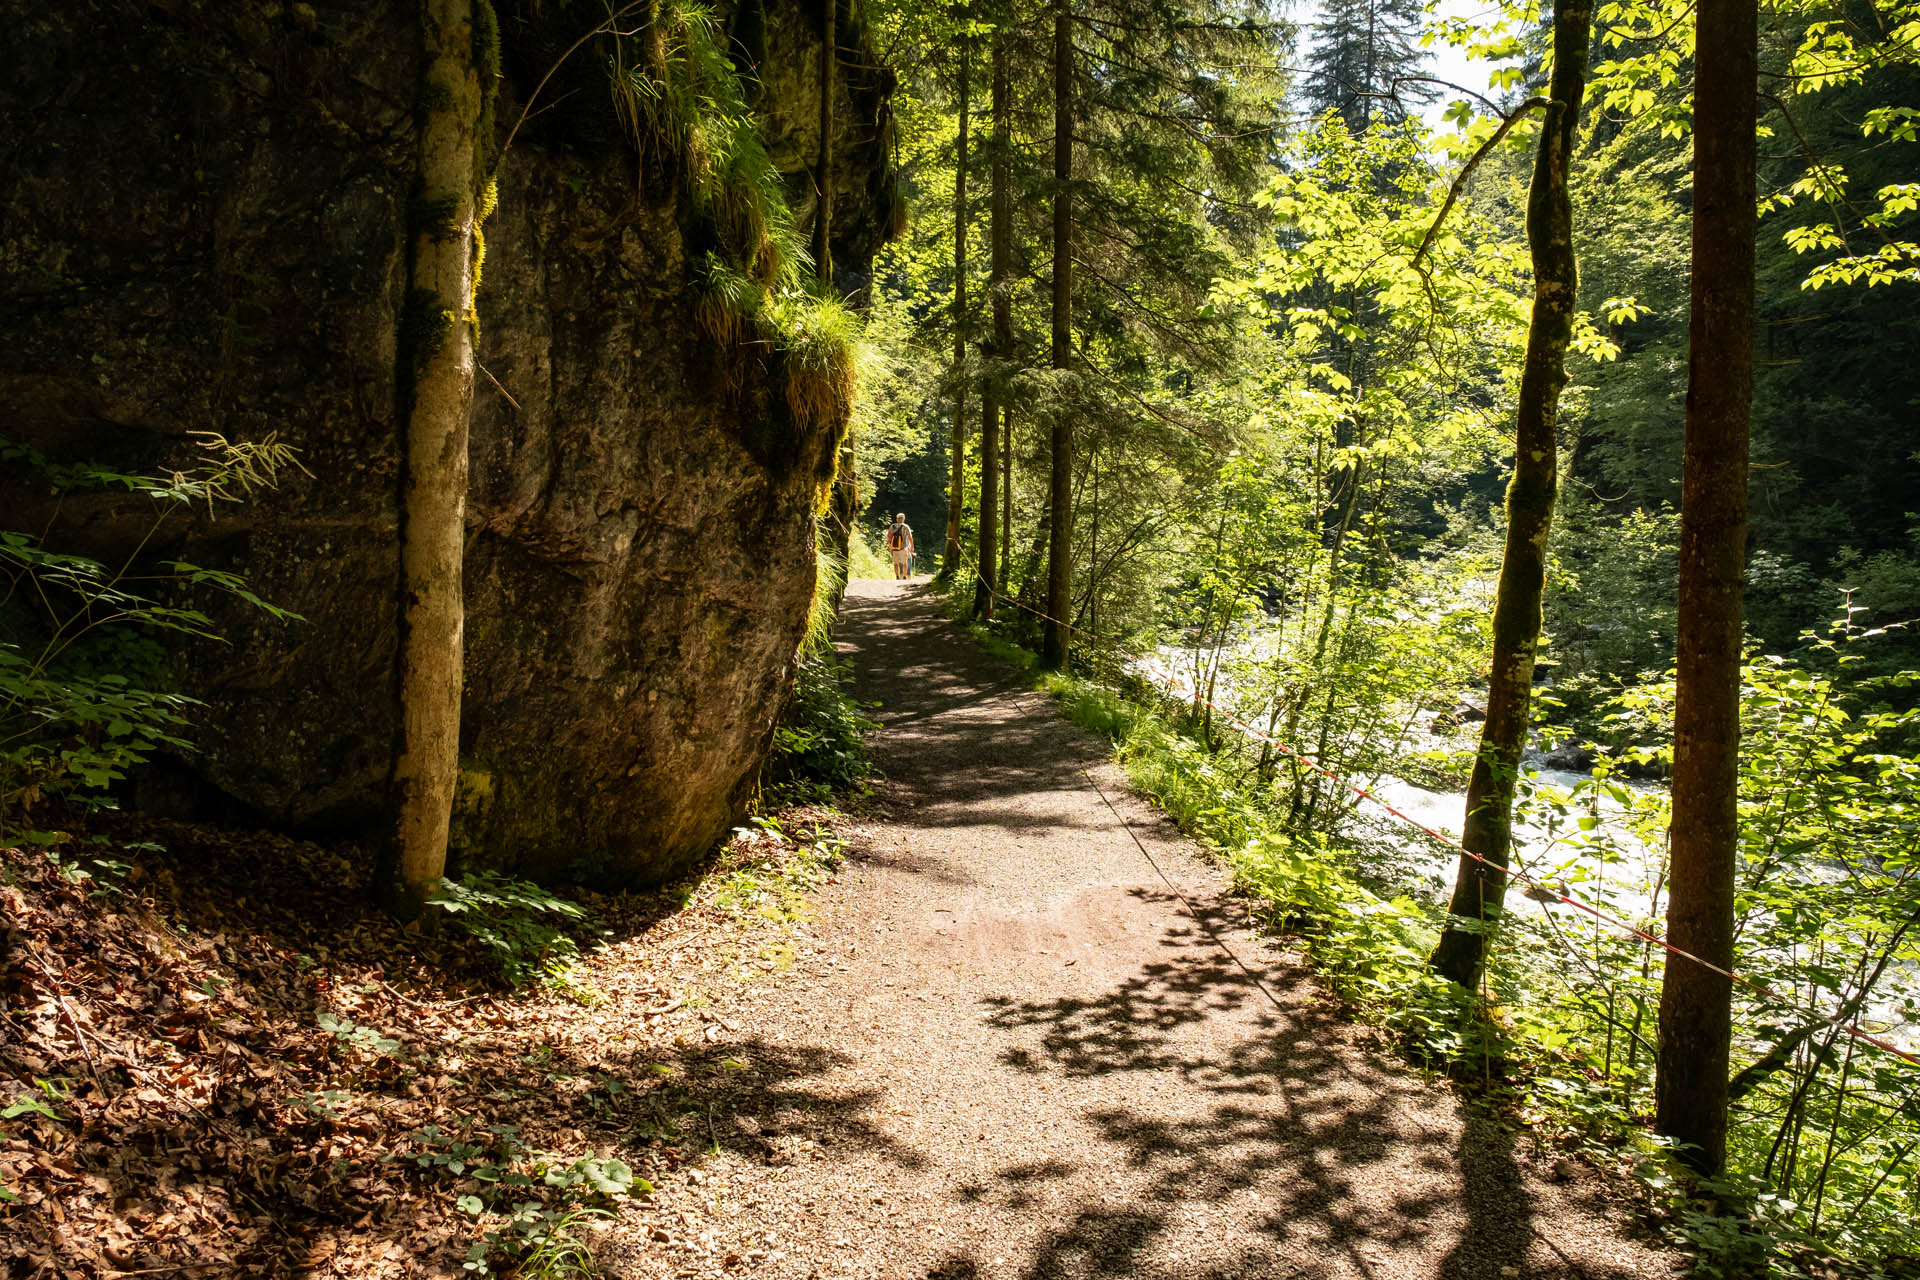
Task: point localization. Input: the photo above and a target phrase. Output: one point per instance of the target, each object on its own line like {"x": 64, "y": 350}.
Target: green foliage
{"x": 1610, "y": 608}
{"x": 683, "y": 104}
{"x": 82, "y": 663}
{"x": 353, "y": 1035}
{"x": 776, "y": 872}
{"x": 819, "y": 746}
{"x": 864, "y": 557}
{"x": 1827, "y": 899}
{"x": 1834, "y": 445}
{"x": 819, "y": 340}
{"x": 323, "y": 1104}
{"x": 35, "y": 1109}
{"x": 829, "y": 582}
{"x": 528, "y": 1204}
{"x": 521, "y": 926}
{"x": 1366, "y": 62}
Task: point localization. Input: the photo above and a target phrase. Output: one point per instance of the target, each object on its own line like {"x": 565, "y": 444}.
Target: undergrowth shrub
{"x": 772, "y": 873}
{"x": 819, "y": 746}
{"x": 520, "y": 927}
{"x": 84, "y": 688}
{"x": 864, "y": 557}
{"x": 528, "y": 1205}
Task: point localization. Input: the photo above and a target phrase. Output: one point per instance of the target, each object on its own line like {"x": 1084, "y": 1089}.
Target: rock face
{"x": 203, "y": 225}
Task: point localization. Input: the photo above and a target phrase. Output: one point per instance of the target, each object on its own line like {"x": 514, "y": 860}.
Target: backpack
{"x": 896, "y": 537}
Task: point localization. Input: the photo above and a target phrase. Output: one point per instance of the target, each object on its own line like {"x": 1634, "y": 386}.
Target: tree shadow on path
{"x": 1228, "y": 1124}
{"x": 1260, "y": 1103}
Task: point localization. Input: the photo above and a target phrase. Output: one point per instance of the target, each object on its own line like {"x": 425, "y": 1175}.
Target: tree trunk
{"x": 1056, "y": 642}
{"x": 1030, "y": 580}
{"x": 843, "y": 509}
{"x": 1006, "y": 493}
{"x": 985, "y": 581}
{"x": 1480, "y": 890}
{"x": 437, "y": 334}
{"x": 1093, "y": 555}
{"x": 823, "y": 166}
{"x": 957, "y": 480}
{"x": 1695, "y": 1002}
{"x": 1001, "y": 242}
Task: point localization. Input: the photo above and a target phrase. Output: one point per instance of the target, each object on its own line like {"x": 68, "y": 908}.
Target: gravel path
{"x": 1011, "y": 1049}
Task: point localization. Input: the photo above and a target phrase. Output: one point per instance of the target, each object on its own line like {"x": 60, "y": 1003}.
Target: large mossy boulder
{"x": 203, "y": 226}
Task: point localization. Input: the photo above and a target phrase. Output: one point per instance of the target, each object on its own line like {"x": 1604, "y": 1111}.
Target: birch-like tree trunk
{"x": 437, "y": 338}
{"x": 1479, "y": 892}
{"x": 1695, "y": 1002}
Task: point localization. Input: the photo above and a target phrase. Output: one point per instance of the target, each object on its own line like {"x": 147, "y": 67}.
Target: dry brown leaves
{"x": 181, "y": 1111}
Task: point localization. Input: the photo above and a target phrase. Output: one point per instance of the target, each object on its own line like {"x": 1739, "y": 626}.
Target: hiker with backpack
{"x": 899, "y": 542}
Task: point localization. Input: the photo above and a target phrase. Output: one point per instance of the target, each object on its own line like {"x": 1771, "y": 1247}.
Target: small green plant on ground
{"x": 819, "y": 746}
{"x": 529, "y": 1204}
{"x": 771, "y": 873}
{"x": 352, "y": 1035}
{"x": 520, "y": 926}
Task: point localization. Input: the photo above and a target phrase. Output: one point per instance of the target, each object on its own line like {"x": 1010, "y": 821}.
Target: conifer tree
{"x": 1153, "y": 137}
{"x": 1060, "y": 485}
{"x": 957, "y": 446}
{"x": 991, "y": 391}
{"x": 1363, "y": 53}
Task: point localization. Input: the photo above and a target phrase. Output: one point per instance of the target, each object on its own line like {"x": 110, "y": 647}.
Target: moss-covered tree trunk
{"x": 1006, "y": 493}
{"x": 1000, "y": 239}
{"x": 1695, "y": 1002}
{"x": 823, "y": 164}
{"x": 1055, "y": 646}
{"x": 843, "y": 508}
{"x": 1480, "y": 890}
{"x": 957, "y": 479}
{"x": 437, "y": 337}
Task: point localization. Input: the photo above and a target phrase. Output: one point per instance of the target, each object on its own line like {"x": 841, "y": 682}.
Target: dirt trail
{"x": 1018, "y": 1053}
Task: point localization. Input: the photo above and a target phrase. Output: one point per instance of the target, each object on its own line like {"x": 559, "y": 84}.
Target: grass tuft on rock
{"x": 820, "y": 339}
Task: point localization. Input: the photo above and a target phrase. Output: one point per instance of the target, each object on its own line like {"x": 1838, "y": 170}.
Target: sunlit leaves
{"x": 1890, "y": 264}
{"x": 1645, "y": 84}
{"x": 1588, "y": 341}
{"x": 1623, "y": 310}
{"x": 1901, "y": 124}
